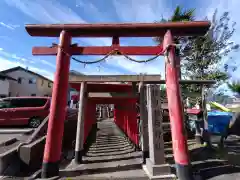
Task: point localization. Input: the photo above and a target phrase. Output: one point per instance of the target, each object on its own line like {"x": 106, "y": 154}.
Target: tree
{"x": 234, "y": 87}
{"x": 178, "y": 15}
{"x": 203, "y": 56}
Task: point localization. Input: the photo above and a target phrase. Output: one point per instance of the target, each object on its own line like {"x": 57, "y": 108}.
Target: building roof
{"x": 26, "y": 70}
{"x": 4, "y": 76}
{"x": 73, "y": 72}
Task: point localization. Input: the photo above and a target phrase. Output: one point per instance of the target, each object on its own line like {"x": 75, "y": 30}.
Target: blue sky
{"x": 16, "y": 45}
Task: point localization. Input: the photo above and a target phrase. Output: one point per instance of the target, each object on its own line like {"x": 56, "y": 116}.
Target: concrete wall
{"x": 4, "y": 87}
{"x": 25, "y": 89}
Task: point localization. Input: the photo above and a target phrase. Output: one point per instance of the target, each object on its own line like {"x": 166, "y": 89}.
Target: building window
{"x": 19, "y": 80}
{"x": 42, "y": 82}
{"x": 49, "y": 84}
{"x": 32, "y": 81}
{"x": 33, "y": 94}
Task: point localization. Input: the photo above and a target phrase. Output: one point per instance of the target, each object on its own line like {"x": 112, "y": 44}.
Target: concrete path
{"x": 111, "y": 156}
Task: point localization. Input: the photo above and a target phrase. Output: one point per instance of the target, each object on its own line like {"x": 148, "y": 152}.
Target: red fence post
{"x": 53, "y": 146}
{"x": 179, "y": 139}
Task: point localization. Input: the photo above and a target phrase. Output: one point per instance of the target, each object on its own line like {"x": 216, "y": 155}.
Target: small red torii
{"x": 59, "y": 95}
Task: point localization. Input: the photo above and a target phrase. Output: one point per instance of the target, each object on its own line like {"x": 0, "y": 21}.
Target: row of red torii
{"x": 65, "y": 50}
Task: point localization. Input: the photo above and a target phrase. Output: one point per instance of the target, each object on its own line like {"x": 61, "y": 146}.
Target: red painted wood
{"x": 120, "y": 30}
{"x": 89, "y": 119}
{"x": 100, "y": 50}
{"x": 179, "y": 139}
{"x": 126, "y": 118}
{"x": 53, "y": 146}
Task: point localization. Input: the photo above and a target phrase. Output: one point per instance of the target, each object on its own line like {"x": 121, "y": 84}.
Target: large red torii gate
{"x": 65, "y": 49}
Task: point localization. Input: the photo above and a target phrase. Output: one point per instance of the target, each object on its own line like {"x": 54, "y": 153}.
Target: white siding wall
{"x": 26, "y": 89}
{"x": 4, "y": 87}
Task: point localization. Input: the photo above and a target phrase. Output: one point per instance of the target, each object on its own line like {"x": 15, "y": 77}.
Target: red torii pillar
{"x": 179, "y": 139}
{"x": 53, "y": 147}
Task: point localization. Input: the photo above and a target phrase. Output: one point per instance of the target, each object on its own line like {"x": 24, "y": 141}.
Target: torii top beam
{"x": 120, "y": 30}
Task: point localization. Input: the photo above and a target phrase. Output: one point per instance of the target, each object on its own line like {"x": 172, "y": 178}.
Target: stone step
{"x": 137, "y": 174}
{"x": 103, "y": 167}
{"x": 108, "y": 136}
{"x": 99, "y": 137}
{"x": 110, "y": 144}
{"x": 131, "y": 155}
{"x": 110, "y": 140}
{"x": 99, "y": 150}
{"x": 102, "y": 134}
{"x": 106, "y": 147}
{"x": 109, "y": 153}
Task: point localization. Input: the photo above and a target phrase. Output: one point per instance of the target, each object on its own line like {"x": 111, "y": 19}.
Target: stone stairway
{"x": 110, "y": 156}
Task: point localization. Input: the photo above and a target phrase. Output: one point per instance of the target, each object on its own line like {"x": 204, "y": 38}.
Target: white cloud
{"x": 6, "y": 64}
{"x": 47, "y": 63}
{"x": 43, "y": 72}
{"x": 7, "y": 26}
{"x": 152, "y": 67}
{"x": 13, "y": 56}
{"x": 46, "y": 11}
{"x": 97, "y": 69}
{"x": 90, "y": 7}
{"x": 141, "y": 10}
{"x": 52, "y": 11}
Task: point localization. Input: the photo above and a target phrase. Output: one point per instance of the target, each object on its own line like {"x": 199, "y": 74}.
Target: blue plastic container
{"x": 218, "y": 121}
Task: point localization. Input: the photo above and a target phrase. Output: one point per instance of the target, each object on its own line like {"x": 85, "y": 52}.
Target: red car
{"x": 24, "y": 110}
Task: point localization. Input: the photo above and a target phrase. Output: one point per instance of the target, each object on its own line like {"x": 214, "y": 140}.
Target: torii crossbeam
{"x": 115, "y": 31}
{"x": 167, "y": 30}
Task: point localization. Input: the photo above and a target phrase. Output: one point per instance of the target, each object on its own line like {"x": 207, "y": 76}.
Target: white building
{"x": 28, "y": 83}
{"x": 4, "y": 84}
